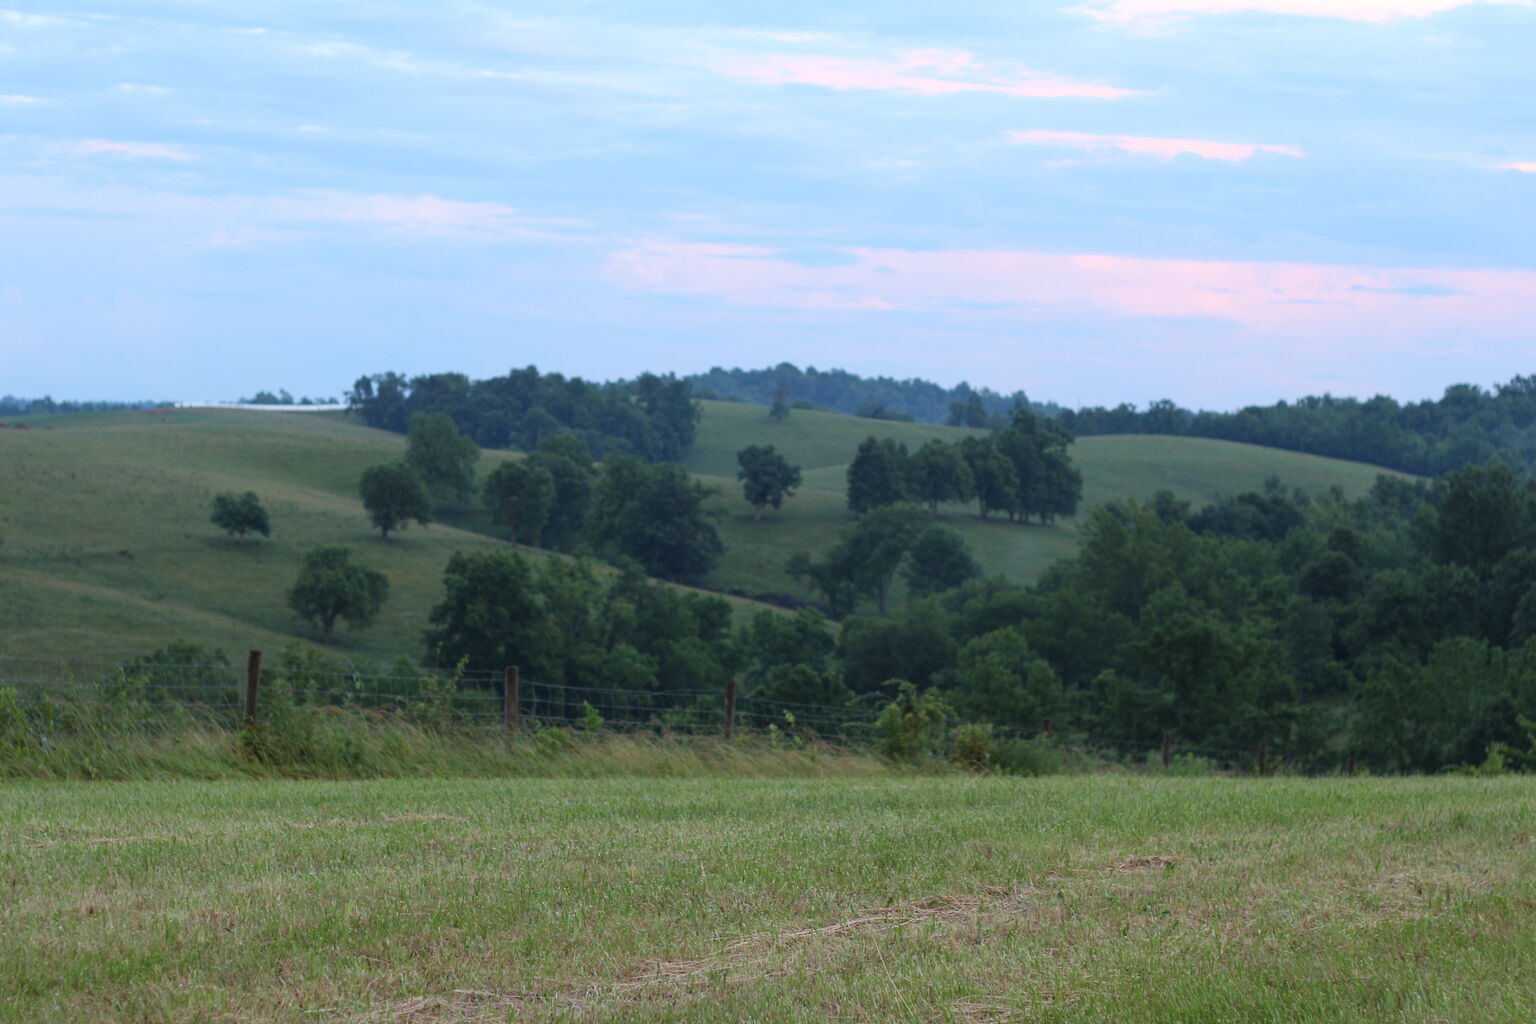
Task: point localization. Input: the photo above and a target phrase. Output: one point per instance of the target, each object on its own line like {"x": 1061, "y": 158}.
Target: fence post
{"x": 509, "y": 689}
{"x": 1350, "y": 768}
{"x": 1167, "y": 747}
{"x": 252, "y": 684}
{"x": 1045, "y": 727}
{"x": 730, "y": 710}
{"x": 1263, "y": 749}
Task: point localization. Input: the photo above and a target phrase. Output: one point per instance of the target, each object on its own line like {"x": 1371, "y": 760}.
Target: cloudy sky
{"x": 1216, "y": 201}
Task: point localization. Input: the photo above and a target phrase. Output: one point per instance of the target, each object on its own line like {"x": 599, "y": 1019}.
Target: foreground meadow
{"x": 1105, "y": 898}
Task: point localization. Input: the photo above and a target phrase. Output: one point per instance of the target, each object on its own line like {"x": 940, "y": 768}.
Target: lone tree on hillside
{"x": 779, "y": 411}
{"x": 330, "y": 587}
{"x": 522, "y": 495}
{"x": 393, "y": 494}
{"x": 441, "y": 456}
{"x": 766, "y": 477}
{"x": 239, "y": 514}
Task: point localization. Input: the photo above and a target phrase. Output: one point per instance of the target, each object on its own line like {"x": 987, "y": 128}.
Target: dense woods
{"x": 651, "y": 417}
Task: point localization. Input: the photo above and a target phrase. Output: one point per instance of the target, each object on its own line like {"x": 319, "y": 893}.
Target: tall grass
{"x": 307, "y": 742}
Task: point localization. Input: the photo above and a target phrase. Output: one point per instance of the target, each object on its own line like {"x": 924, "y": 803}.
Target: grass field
{"x": 1131, "y": 466}
{"x": 960, "y": 899}
{"x": 105, "y": 543}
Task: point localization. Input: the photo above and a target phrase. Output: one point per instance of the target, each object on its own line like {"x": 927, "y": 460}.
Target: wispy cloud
{"x": 139, "y": 88}
{"x": 1525, "y": 167}
{"x": 18, "y": 100}
{"x": 131, "y": 150}
{"x": 1292, "y": 297}
{"x": 232, "y": 219}
{"x": 923, "y": 72}
{"x": 1162, "y": 149}
{"x": 1130, "y": 12}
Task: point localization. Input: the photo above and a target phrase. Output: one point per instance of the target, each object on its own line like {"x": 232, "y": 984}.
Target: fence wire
{"x": 55, "y": 694}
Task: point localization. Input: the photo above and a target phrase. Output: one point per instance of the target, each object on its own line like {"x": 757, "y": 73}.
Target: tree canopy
{"x": 766, "y": 477}
{"x": 239, "y": 514}
{"x": 331, "y": 586}
{"x": 394, "y": 495}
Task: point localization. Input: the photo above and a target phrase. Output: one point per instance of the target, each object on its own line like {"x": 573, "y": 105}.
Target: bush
{"x": 972, "y": 746}
{"x": 912, "y": 725}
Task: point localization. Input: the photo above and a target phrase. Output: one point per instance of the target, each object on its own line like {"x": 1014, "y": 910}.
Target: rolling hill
{"x": 105, "y": 544}
{"x": 1114, "y": 466}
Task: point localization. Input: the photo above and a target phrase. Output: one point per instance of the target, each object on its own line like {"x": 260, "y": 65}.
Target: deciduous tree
{"x": 393, "y": 495}
{"x": 331, "y": 586}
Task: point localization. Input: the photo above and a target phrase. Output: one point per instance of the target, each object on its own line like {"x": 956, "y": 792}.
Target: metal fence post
{"x": 730, "y": 710}
{"x": 252, "y": 685}
{"x": 509, "y": 688}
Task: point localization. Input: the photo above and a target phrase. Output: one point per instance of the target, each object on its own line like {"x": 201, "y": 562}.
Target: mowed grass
{"x": 964, "y": 899}
{"x": 105, "y": 543}
{"x": 1197, "y": 470}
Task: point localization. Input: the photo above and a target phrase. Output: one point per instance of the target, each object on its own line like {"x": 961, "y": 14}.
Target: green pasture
{"x": 105, "y": 544}
{"x": 957, "y": 899}
{"x": 1197, "y": 470}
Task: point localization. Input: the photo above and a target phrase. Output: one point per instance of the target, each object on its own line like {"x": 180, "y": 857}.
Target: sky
{"x": 1219, "y": 202}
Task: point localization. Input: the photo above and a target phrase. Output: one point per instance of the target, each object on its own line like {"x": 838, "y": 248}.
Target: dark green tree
{"x": 655, "y": 515}
{"x": 864, "y": 561}
{"x": 569, "y": 464}
{"x": 490, "y": 614}
{"x": 442, "y": 457}
{"x": 393, "y": 495}
{"x": 939, "y": 560}
{"x": 521, "y": 495}
{"x": 1001, "y": 680}
{"x": 767, "y": 477}
{"x": 331, "y": 586}
{"x": 239, "y": 514}
{"x": 994, "y": 480}
{"x": 779, "y": 411}
{"x": 877, "y": 475}
{"x": 938, "y": 472}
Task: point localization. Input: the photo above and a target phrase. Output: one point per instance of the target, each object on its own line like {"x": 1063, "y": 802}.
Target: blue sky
{"x": 1216, "y": 201}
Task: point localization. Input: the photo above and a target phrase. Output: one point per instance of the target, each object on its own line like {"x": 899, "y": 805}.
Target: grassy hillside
{"x": 105, "y": 543}
{"x": 1195, "y": 469}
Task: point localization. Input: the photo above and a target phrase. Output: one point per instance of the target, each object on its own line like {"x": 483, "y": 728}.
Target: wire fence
{"x": 142, "y": 692}
{"x": 53, "y": 695}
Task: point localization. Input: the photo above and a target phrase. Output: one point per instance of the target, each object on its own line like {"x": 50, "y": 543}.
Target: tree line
{"x": 652, "y": 417}
{"x": 1468, "y": 425}
{"x": 1022, "y": 470}
{"x": 844, "y": 392}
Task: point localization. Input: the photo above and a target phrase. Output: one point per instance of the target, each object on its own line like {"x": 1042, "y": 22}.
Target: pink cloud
{"x": 1130, "y": 12}
{"x": 1527, "y": 167}
{"x": 1311, "y": 301}
{"x": 924, "y": 72}
{"x": 131, "y": 150}
{"x": 1162, "y": 149}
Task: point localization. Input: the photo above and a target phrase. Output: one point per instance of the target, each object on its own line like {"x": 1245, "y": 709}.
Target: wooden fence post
{"x": 509, "y": 689}
{"x": 252, "y": 684}
{"x": 1045, "y": 727}
{"x": 730, "y": 710}
{"x": 1350, "y": 768}
{"x": 1167, "y": 747}
{"x": 1263, "y": 749}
